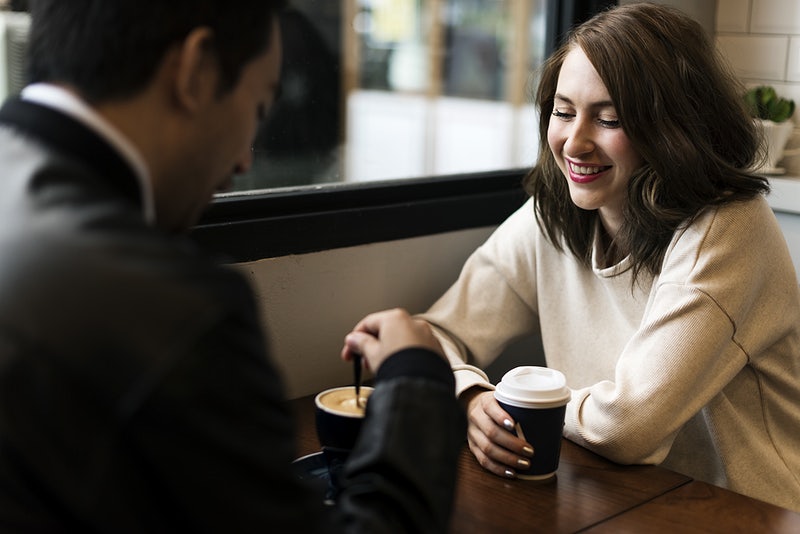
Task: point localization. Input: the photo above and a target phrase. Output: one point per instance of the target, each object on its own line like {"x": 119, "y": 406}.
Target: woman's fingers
{"x": 490, "y": 438}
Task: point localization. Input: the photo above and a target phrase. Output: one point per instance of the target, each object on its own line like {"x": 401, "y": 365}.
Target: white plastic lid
{"x": 533, "y": 386}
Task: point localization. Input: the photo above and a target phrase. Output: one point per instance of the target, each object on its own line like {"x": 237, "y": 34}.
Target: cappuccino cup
{"x": 339, "y": 416}
{"x": 536, "y": 397}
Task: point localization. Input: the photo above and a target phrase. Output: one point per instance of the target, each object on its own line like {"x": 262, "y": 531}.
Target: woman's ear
{"x": 196, "y": 73}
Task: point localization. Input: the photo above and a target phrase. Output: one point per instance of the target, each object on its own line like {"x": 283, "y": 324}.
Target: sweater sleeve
{"x": 718, "y": 333}
{"x": 493, "y": 301}
{"x": 683, "y": 354}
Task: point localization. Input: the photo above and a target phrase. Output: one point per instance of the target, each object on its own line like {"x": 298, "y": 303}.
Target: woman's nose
{"x": 579, "y": 139}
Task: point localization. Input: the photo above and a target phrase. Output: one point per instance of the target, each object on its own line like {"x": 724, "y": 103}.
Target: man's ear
{"x": 196, "y": 73}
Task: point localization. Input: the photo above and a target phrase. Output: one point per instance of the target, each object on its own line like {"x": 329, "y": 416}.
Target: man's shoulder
{"x": 92, "y": 262}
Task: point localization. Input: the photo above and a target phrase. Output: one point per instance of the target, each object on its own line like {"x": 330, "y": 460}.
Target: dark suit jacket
{"x": 136, "y": 394}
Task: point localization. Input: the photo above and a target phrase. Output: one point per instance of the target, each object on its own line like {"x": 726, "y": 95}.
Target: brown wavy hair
{"x": 682, "y": 110}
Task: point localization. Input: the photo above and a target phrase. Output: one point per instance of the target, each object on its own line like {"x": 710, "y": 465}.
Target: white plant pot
{"x": 775, "y": 136}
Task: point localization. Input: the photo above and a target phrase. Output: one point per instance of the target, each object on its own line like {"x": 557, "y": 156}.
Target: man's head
{"x": 185, "y": 80}
{"x": 111, "y": 49}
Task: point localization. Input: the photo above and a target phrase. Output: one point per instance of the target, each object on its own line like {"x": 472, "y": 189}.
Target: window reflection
{"x": 300, "y": 141}
{"x": 386, "y": 89}
{"x": 477, "y": 43}
{"x": 393, "y": 53}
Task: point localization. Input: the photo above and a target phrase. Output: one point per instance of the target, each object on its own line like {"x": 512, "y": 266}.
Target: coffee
{"x": 342, "y": 401}
{"x": 339, "y": 416}
{"x": 536, "y": 397}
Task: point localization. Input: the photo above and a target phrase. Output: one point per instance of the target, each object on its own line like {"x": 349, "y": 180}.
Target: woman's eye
{"x": 609, "y": 123}
{"x": 605, "y": 123}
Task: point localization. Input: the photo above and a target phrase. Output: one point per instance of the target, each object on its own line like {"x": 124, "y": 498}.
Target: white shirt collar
{"x": 55, "y": 97}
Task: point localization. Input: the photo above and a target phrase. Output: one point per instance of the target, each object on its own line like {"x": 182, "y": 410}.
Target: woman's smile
{"x": 583, "y": 174}
{"x": 588, "y": 141}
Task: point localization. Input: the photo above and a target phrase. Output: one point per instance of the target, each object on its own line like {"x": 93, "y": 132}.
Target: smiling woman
{"x": 639, "y": 260}
{"x": 589, "y": 144}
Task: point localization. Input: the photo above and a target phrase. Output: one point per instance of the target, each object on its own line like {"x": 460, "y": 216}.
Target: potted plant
{"x": 772, "y": 112}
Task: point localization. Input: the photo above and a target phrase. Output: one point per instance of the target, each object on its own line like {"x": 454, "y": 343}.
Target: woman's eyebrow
{"x": 600, "y": 104}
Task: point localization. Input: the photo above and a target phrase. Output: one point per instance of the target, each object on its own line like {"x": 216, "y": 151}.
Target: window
{"x": 395, "y": 89}
{"x": 379, "y": 91}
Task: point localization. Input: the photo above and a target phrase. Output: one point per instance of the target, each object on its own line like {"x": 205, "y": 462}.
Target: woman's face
{"x": 588, "y": 142}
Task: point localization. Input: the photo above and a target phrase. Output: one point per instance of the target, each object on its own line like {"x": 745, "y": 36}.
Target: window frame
{"x": 250, "y": 226}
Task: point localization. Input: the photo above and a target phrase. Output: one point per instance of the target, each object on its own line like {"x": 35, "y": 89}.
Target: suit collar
{"x": 64, "y": 134}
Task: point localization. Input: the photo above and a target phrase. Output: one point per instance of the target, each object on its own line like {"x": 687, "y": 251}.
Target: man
{"x": 135, "y": 391}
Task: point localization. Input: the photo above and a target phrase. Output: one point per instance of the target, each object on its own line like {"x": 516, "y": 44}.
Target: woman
{"x": 650, "y": 262}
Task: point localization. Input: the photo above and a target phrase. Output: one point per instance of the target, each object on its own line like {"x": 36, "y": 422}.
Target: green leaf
{"x": 763, "y": 102}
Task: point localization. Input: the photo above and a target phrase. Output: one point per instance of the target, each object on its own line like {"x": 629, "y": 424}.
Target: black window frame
{"x": 272, "y": 223}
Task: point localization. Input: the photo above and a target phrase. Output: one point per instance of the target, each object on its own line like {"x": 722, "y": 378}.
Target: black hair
{"x": 110, "y": 49}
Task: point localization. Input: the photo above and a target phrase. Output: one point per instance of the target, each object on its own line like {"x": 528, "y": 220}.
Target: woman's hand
{"x": 490, "y": 435}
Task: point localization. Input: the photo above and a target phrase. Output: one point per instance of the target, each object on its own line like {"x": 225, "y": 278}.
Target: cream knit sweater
{"x": 697, "y": 370}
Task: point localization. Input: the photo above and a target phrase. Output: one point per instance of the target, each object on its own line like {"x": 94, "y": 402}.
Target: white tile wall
{"x": 733, "y": 15}
{"x": 756, "y": 56}
{"x": 761, "y": 41}
{"x": 775, "y": 16}
{"x": 793, "y": 68}
{"x": 778, "y": 20}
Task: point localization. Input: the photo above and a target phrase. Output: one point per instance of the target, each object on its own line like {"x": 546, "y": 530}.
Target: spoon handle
{"x": 357, "y": 376}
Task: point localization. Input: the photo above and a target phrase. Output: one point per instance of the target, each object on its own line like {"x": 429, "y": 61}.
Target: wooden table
{"x": 590, "y": 494}
{"x": 701, "y": 508}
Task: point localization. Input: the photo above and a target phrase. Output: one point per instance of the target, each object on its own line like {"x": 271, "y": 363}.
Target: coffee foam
{"x": 342, "y": 401}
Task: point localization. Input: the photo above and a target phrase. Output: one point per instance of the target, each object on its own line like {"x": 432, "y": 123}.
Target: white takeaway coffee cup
{"x": 536, "y": 398}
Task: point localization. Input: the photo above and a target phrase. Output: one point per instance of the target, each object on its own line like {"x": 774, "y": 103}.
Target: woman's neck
{"x": 611, "y": 251}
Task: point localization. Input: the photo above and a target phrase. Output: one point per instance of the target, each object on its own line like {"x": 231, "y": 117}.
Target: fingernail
{"x": 509, "y": 473}
{"x": 508, "y": 424}
{"x": 527, "y": 450}
{"x": 522, "y": 462}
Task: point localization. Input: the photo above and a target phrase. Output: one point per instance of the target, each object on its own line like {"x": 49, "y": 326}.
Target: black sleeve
{"x": 191, "y": 435}
{"x": 401, "y": 475}
{"x": 417, "y": 362}
{"x": 214, "y": 443}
